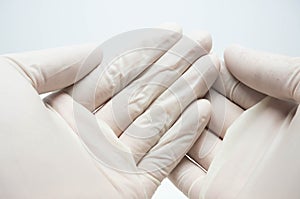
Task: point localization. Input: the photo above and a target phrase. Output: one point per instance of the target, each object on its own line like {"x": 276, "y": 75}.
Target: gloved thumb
{"x": 53, "y": 69}
{"x": 274, "y": 75}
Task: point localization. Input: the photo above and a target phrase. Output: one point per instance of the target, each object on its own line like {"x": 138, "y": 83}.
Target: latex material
{"x": 59, "y": 148}
{"x": 258, "y": 156}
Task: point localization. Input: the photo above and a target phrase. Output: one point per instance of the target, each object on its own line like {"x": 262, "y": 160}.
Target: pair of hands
{"x": 117, "y": 125}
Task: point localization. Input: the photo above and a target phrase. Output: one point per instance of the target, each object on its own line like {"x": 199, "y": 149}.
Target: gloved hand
{"x": 258, "y": 111}
{"x": 66, "y": 147}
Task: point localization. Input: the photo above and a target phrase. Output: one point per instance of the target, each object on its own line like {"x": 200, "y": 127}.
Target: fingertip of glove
{"x": 203, "y": 38}
{"x": 205, "y": 109}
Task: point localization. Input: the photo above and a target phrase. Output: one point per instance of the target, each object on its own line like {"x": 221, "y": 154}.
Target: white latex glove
{"x": 61, "y": 148}
{"x": 258, "y": 111}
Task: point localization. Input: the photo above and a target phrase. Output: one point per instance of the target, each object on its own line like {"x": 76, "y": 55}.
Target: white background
{"x": 270, "y": 25}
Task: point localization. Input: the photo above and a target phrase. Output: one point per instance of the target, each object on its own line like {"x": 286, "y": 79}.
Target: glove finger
{"x": 53, "y": 69}
{"x": 171, "y": 148}
{"x": 188, "y": 178}
{"x": 128, "y": 104}
{"x": 188, "y": 175}
{"x": 148, "y": 128}
{"x": 224, "y": 113}
{"x": 205, "y": 149}
{"x": 124, "y": 58}
{"x": 271, "y": 74}
{"x": 236, "y": 91}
